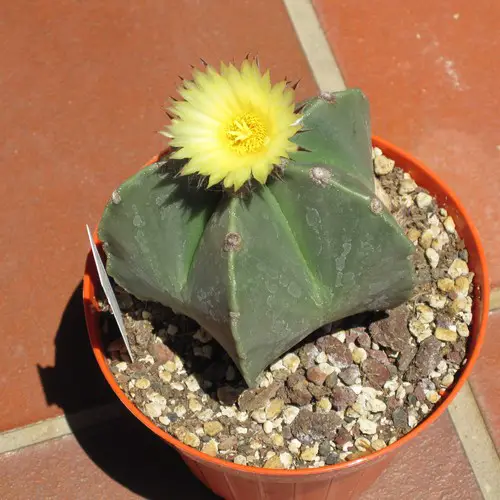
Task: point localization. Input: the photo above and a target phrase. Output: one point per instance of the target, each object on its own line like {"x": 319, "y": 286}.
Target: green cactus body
{"x": 263, "y": 271}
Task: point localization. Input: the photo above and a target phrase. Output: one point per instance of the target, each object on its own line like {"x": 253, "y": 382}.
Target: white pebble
{"x": 165, "y": 376}
{"x": 241, "y": 430}
{"x": 180, "y": 411}
{"x": 177, "y": 386}
{"x": 356, "y": 388}
{"x": 240, "y": 460}
{"x": 205, "y": 415}
{"x": 294, "y": 446}
{"x": 433, "y": 220}
{"x": 195, "y": 406}
{"x": 458, "y": 268}
{"x": 391, "y": 385}
{"x": 321, "y": 358}
{"x": 425, "y": 314}
{"x": 289, "y": 414}
{"x": 412, "y": 420}
{"x": 432, "y": 257}
{"x": 340, "y": 336}
{"x": 154, "y": 410}
{"x": 359, "y": 355}
{"x": 441, "y": 240}
{"x": 376, "y": 405}
{"x": 164, "y": 420}
{"x": 367, "y": 426}
{"x": 383, "y": 165}
{"x": 268, "y": 427}
{"x": 228, "y": 411}
{"x": 179, "y": 364}
{"x": 277, "y": 366}
{"x": 192, "y": 384}
{"x": 147, "y": 359}
{"x": 242, "y": 416}
{"x": 143, "y": 383}
{"x": 362, "y": 444}
{"x": 436, "y": 301}
{"x": 259, "y": 416}
{"x": 378, "y": 444}
{"x": 286, "y": 459}
{"x": 449, "y": 225}
{"x": 400, "y": 393}
{"x": 291, "y": 361}
{"x": 463, "y": 330}
{"x": 423, "y": 200}
{"x": 447, "y": 380}
{"x": 407, "y": 186}
{"x": 326, "y": 368}
{"x": 442, "y": 366}
{"x": 121, "y": 367}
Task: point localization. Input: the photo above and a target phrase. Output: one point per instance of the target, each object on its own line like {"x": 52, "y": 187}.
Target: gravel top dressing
{"x": 347, "y": 390}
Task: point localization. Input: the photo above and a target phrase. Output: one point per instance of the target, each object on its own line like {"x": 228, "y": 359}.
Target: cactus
{"x": 261, "y": 271}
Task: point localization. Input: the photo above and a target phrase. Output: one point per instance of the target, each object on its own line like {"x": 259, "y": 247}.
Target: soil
{"x": 350, "y": 388}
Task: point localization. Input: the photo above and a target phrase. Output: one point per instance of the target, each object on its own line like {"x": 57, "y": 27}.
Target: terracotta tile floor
{"x": 428, "y": 71}
{"x": 81, "y": 91}
{"x": 102, "y": 463}
{"x": 485, "y": 381}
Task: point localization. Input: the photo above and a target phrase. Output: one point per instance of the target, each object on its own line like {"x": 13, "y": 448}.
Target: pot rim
{"x": 92, "y": 312}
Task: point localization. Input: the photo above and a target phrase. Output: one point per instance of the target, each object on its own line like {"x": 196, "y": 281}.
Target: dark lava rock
{"x": 317, "y": 426}
{"x": 318, "y": 391}
{"x": 338, "y": 353}
{"x": 294, "y": 379}
{"x": 228, "y": 395}
{"x": 392, "y": 331}
{"x": 300, "y": 395}
{"x": 380, "y": 356}
{"x": 364, "y": 340}
{"x": 332, "y": 459}
{"x": 376, "y": 373}
{"x": 331, "y": 380}
{"x": 324, "y": 448}
{"x": 406, "y": 357}
{"x": 342, "y": 397}
{"x": 342, "y": 437}
{"x": 316, "y": 375}
{"x": 307, "y": 355}
{"x": 400, "y": 419}
{"x": 349, "y": 375}
{"x": 254, "y": 399}
{"x": 428, "y": 356}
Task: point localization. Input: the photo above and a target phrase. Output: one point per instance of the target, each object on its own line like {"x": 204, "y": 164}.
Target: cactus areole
{"x": 262, "y": 222}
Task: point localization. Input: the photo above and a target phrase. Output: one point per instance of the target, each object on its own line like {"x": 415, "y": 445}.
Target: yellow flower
{"x": 233, "y": 125}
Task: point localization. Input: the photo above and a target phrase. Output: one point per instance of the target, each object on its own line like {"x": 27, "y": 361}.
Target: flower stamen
{"x": 246, "y": 134}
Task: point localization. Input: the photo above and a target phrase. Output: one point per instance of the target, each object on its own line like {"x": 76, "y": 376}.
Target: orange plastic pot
{"x": 344, "y": 480}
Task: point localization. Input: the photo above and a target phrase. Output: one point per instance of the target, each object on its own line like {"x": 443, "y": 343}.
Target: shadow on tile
{"x": 122, "y": 447}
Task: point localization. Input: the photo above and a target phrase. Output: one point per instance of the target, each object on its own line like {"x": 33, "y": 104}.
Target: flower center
{"x": 246, "y": 134}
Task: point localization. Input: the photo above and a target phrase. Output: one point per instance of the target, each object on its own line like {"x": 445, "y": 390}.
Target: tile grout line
{"x": 476, "y": 442}
{"x": 495, "y": 299}
{"x": 464, "y": 410}
{"x": 316, "y": 48}
{"x": 57, "y": 427}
